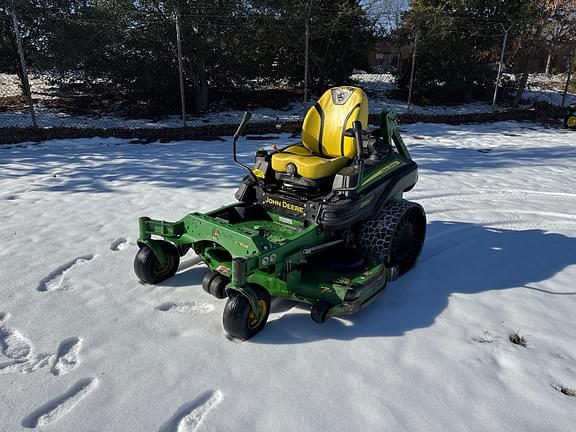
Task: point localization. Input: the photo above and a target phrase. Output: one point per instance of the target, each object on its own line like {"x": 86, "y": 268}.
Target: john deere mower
{"x": 321, "y": 222}
{"x": 570, "y": 119}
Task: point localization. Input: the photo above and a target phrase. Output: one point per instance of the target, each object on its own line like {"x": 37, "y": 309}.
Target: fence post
{"x": 25, "y": 82}
{"x": 569, "y": 76}
{"x": 180, "y": 68}
{"x": 412, "y": 69}
{"x": 500, "y": 66}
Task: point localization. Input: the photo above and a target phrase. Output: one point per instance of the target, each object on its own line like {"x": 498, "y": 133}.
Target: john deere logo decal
{"x": 284, "y": 204}
{"x": 340, "y": 95}
{"x": 216, "y": 234}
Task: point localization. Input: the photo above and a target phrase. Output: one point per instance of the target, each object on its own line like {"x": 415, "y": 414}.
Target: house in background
{"x": 553, "y": 60}
{"x": 386, "y": 56}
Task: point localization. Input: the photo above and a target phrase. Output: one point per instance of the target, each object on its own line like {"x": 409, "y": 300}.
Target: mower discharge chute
{"x": 321, "y": 222}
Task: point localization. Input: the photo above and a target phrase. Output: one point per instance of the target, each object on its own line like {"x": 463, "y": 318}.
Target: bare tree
{"x": 560, "y": 28}
{"x": 546, "y": 11}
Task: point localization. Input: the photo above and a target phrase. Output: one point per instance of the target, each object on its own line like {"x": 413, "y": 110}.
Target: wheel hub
{"x": 254, "y": 322}
{"x": 161, "y": 270}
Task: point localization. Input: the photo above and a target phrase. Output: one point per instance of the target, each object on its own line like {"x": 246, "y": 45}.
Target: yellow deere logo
{"x": 216, "y": 233}
{"x": 284, "y": 204}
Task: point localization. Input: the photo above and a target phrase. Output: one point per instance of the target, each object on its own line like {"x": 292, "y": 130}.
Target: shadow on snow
{"x": 91, "y": 166}
{"x": 457, "y": 258}
{"x": 88, "y": 166}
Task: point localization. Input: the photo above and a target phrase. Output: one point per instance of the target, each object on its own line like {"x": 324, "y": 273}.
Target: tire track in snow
{"x": 525, "y": 219}
{"x": 61, "y": 405}
{"x": 497, "y": 195}
{"x": 511, "y": 218}
{"x": 67, "y": 356}
{"x": 192, "y": 308}
{"x": 189, "y": 417}
{"x": 55, "y": 279}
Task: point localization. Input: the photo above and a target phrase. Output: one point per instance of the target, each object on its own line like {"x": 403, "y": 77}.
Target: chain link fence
{"x": 76, "y": 100}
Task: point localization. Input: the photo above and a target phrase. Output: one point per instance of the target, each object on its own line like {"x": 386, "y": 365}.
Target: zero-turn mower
{"x": 321, "y": 222}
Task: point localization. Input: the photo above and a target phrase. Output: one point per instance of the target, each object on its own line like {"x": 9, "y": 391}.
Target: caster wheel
{"x": 239, "y": 319}
{"x": 207, "y": 280}
{"x": 319, "y": 311}
{"x": 218, "y": 286}
{"x": 215, "y": 284}
{"x": 147, "y": 267}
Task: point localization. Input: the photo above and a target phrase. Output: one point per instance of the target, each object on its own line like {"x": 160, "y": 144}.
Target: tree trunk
{"x": 521, "y": 87}
{"x": 197, "y": 74}
{"x": 530, "y": 51}
{"x": 548, "y": 61}
{"x": 202, "y": 89}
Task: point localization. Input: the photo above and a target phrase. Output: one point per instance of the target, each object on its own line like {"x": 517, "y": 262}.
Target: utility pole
{"x": 500, "y": 65}
{"x": 569, "y": 76}
{"x": 306, "y": 49}
{"x": 180, "y": 67}
{"x": 25, "y": 82}
{"x": 416, "y": 38}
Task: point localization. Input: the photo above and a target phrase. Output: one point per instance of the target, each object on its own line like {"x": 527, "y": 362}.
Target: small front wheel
{"x": 239, "y": 319}
{"x": 147, "y": 267}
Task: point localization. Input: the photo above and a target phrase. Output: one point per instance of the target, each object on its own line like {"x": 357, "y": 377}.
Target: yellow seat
{"x": 307, "y": 164}
{"x": 325, "y": 150}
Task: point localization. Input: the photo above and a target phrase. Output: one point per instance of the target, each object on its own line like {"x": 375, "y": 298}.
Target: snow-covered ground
{"x": 85, "y": 347}
{"x": 376, "y": 84}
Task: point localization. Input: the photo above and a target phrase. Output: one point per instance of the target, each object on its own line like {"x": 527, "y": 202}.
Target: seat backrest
{"x": 325, "y": 123}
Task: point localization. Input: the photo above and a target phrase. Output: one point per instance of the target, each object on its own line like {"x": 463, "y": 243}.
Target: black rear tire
{"x": 396, "y": 234}
{"x": 148, "y": 268}
{"x": 239, "y": 320}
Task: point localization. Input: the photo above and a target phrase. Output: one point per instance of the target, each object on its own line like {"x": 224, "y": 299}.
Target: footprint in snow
{"x": 190, "y": 416}
{"x": 14, "y": 345}
{"x": 192, "y": 308}
{"x": 18, "y": 351}
{"x": 55, "y": 279}
{"x": 61, "y": 405}
{"x": 119, "y": 244}
{"x": 67, "y": 356}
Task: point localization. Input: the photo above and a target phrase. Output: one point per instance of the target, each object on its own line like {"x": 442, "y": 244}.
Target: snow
{"x": 84, "y": 346}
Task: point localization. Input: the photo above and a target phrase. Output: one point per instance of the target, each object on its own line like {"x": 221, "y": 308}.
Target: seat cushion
{"x": 307, "y": 164}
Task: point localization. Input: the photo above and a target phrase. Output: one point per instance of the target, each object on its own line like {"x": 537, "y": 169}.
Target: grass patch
{"x": 516, "y": 339}
{"x": 565, "y": 390}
